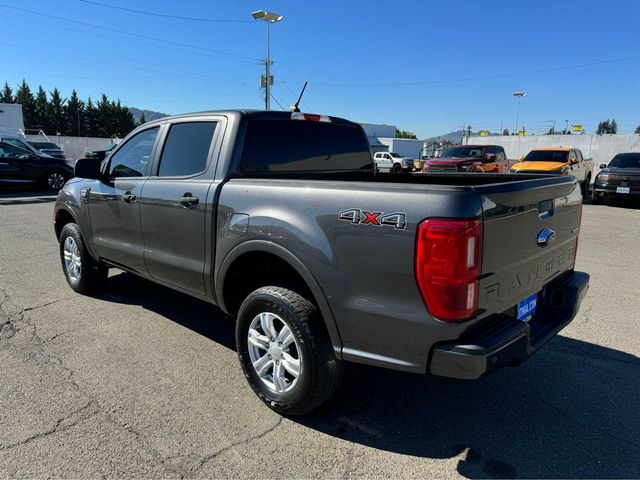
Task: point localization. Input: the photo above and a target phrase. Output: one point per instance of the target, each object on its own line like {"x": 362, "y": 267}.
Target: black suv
{"x": 19, "y": 165}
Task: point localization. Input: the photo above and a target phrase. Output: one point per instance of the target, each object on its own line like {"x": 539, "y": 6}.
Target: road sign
{"x": 484, "y": 133}
{"x": 577, "y": 128}
{"x": 522, "y": 133}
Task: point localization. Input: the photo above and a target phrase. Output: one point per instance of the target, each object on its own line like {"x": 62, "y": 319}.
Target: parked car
{"x": 564, "y": 161}
{"x": 49, "y": 148}
{"x": 621, "y": 178}
{"x": 20, "y": 165}
{"x": 99, "y": 153}
{"x": 280, "y": 219}
{"x": 469, "y": 158}
{"x": 392, "y": 162}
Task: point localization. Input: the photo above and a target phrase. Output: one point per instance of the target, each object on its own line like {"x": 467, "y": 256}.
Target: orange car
{"x": 557, "y": 160}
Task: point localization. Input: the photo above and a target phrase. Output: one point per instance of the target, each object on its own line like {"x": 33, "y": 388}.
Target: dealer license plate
{"x": 527, "y": 308}
{"x": 623, "y": 190}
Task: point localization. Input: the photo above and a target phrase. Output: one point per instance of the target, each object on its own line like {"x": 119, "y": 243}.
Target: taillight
{"x": 448, "y": 264}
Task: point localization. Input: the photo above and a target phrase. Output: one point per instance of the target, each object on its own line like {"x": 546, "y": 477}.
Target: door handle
{"x": 189, "y": 200}
{"x": 128, "y": 197}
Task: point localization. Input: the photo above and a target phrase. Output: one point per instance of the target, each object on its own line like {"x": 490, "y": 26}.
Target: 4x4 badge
{"x": 397, "y": 220}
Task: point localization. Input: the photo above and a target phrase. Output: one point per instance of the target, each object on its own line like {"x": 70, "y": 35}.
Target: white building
{"x": 406, "y": 147}
{"x": 11, "y": 117}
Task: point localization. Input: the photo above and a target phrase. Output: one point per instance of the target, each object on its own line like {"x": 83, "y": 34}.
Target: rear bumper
{"x": 511, "y": 342}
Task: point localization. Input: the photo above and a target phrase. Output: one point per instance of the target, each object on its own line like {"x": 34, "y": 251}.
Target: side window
{"x": 132, "y": 159}
{"x": 16, "y": 143}
{"x": 578, "y": 155}
{"x": 572, "y": 155}
{"x": 187, "y": 149}
{"x": 9, "y": 151}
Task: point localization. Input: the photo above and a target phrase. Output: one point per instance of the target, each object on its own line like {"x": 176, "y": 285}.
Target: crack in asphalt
{"x": 247, "y": 441}
{"x": 16, "y": 319}
{"x": 60, "y": 426}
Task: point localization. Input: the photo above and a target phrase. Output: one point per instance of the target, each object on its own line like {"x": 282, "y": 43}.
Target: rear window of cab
{"x": 303, "y": 146}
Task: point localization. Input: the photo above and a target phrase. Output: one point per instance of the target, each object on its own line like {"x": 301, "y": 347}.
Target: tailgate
{"x": 515, "y": 264}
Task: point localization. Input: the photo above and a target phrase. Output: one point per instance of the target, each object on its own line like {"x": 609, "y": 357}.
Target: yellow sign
{"x": 577, "y": 128}
{"x": 522, "y": 133}
{"x": 484, "y": 133}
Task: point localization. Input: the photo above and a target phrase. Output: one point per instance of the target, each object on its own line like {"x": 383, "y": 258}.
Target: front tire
{"x": 285, "y": 352}
{"x": 83, "y": 274}
{"x": 397, "y": 168}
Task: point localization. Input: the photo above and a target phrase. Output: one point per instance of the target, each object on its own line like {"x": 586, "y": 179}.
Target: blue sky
{"x": 425, "y": 66}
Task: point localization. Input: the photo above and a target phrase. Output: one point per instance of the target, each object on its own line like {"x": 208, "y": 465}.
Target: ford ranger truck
{"x": 280, "y": 220}
{"x": 559, "y": 160}
{"x": 469, "y": 158}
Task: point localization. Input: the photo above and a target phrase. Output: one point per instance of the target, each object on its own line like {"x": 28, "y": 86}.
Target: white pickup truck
{"x": 392, "y": 162}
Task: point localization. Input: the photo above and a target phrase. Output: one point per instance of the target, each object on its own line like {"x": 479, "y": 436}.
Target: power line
{"x": 469, "y": 79}
{"x": 118, "y": 62}
{"x": 147, "y": 37}
{"x": 103, "y": 35}
{"x": 155, "y": 14}
{"x": 276, "y": 100}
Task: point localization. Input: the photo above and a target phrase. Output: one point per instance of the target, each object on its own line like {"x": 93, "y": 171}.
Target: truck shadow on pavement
{"x": 571, "y": 411}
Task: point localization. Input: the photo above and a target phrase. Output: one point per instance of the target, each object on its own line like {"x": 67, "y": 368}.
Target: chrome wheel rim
{"x": 274, "y": 352}
{"x": 72, "y": 260}
{"x": 55, "y": 181}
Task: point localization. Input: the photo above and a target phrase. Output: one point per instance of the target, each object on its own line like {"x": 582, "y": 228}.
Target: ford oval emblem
{"x": 545, "y": 237}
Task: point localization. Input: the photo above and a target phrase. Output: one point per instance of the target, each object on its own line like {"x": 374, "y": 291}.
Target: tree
{"x": 637, "y": 130}
{"x": 74, "y": 115}
{"x": 7, "y": 94}
{"x": 505, "y": 132}
{"x": 90, "y": 123}
{"x": 42, "y": 111}
{"x": 607, "y": 127}
{"x": 56, "y": 113}
{"x": 143, "y": 120}
{"x": 405, "y": 134}
{"x": 25, "y": 98}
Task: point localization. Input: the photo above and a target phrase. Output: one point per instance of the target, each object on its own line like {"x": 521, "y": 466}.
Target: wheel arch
{"x": 258, "y": 250}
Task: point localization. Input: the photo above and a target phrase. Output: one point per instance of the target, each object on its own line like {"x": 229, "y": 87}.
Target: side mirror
{"x": 603, "y": 165}
{"x": 491, "y": 158}
{"x": 87, "y": 168}
{"x": 573, "y": 161}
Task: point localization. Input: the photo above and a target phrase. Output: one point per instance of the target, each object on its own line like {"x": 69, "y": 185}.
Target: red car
{"x": 469, "y": 158}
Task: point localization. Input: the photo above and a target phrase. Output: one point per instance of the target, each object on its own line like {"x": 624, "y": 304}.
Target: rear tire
{"x": 83, "y": 274}
{"x": 285, "y": 352}
{"x": 55, "y": 179}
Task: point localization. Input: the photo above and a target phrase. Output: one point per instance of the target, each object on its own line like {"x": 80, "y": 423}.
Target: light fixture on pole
{"x": 519, "y": 95}
{"x": 270, "y": 18}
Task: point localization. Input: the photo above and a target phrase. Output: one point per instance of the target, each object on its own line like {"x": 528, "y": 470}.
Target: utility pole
{"x": 270, "y": 18}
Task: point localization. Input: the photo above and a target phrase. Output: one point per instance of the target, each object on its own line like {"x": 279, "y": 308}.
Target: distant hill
{"x": 148, "y": 114}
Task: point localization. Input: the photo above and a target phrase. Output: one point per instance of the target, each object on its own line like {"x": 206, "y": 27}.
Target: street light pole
{"x": 270, "y": 18}
{"x": 267, "y": 65}
{"x": 519, "y": 95}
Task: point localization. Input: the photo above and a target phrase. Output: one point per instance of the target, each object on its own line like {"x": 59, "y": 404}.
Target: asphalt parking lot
{"x": 142, "y": 381}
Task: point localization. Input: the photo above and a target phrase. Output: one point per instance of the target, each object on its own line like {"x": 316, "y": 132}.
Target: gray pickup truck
{"x": 280, "y": 219}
